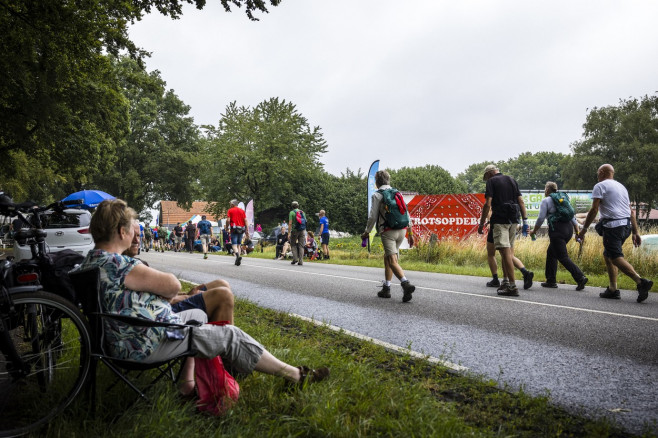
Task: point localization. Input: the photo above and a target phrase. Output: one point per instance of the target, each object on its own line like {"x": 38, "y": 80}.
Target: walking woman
{"x": 559, "y": 233}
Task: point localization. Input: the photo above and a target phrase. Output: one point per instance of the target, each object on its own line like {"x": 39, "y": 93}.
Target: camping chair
{"x": 86, "y": 283}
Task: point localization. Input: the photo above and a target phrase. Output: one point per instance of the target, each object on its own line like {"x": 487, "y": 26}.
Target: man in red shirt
{"x": 237, "y": 219}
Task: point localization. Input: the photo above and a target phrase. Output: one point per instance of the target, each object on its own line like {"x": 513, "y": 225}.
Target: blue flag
{"x": 372, "y": 188}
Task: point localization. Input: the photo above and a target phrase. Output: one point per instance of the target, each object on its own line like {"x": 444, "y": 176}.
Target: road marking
{"x": 494, "y": 297}
{"x": 386, "y": 345}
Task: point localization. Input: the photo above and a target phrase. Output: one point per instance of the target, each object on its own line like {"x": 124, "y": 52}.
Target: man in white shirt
{"x": 617, "y": 222}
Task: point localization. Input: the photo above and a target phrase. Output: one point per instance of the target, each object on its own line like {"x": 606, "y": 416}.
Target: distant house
{"x": 170, "y": 213}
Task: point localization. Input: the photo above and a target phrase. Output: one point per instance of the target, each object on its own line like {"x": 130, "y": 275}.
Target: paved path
{"x": 589, "y": 354}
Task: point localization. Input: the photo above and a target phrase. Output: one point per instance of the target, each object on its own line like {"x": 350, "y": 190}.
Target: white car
{"x": 69, "y": 230}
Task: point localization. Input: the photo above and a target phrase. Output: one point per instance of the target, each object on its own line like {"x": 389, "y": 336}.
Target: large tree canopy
{"x": 265, "y": 153}
{"x": 530, "y": 170}
{"x": 625, "y": 136}
{"x": 61, "y": 108}
{"x": 427, "y": 180}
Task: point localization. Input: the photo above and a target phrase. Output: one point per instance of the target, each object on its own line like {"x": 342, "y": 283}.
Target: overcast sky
{"x": 448, "y": 83}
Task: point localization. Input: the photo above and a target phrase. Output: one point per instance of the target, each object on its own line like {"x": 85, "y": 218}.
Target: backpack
{"x": 147, "y": 232}
{"x": 300, "y": 223}
{"x": 395, "y": 209}
{"x": 564, "y": 211}
{"x": 55, "y": 269}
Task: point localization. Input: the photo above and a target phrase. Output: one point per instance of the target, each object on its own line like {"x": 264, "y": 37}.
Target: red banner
{"x": 454, "y": 216}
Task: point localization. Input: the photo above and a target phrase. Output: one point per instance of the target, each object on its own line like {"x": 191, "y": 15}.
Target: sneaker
{"x": 527, "y": 279}
{"x": 408, "y": 289}
{"x": 238, "y": 260}
{"x": 293, "y": 262}
{"x": 300, "y": 263}
{"x": 549, "y": 284}
{"x": 493, "y": 283}
{"x": 385, "y": 292}
{"x": 581, "y": 283}
{"x": 509, "y": 291}
{"x": 503, "y": 285}
{"x": 643, "y": 289}
{"x": 611, "y": 294}
{"x": 205, "y": 256}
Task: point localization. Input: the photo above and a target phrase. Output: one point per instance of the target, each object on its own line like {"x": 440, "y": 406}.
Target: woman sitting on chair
{"x": 131, "y": 288}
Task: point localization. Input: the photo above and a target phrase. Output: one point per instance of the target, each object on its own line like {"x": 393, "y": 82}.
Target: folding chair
{"x": 88, "y": 293}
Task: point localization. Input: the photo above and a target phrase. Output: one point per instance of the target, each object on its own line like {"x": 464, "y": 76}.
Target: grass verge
{"x": 371, "y": 392}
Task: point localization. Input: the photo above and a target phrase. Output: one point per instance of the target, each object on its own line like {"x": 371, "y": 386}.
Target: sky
{"x": 447, "y": 83}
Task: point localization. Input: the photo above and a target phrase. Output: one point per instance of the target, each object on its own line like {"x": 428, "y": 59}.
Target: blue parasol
{"x": 86, "y": 199}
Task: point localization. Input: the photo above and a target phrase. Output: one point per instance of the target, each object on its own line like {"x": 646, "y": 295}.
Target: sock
{"x": 524, "y": 270}
{"x": 495, "y": 276}
{"x": 387, "y": 283}
{"x": 403, "y": 279}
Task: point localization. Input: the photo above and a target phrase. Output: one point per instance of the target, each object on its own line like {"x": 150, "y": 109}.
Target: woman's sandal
{"x": 310, "y": 376}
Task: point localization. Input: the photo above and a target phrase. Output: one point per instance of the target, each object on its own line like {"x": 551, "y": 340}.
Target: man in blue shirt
{"x": 205, "y": 233}
{"x": 324, "y": 234}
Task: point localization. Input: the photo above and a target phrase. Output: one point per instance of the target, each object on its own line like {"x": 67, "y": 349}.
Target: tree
{"x": 61, "y": 110}
{"x": 625, "y": 136}
{"x": 161, "y": 156}
{"x": 427, "y": 180}
{"x": 264, "y": 153}
{"x": 530, "y": 170}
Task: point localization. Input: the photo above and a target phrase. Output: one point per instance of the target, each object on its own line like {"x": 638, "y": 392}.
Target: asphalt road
{"x": 594, "y": 356}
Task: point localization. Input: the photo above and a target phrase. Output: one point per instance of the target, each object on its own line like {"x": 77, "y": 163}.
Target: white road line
{"x": 492, "y": 297}
{"x": 386, "y": 345}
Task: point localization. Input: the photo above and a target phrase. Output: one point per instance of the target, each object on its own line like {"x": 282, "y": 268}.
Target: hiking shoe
{"x": 643, "y": 289}
{"x": 611, "y": 294}
{"x": 385, "y": 292}
{"x": 300, "y": 263}
{"x": 581, "y": 283}
{"x": 503, "y": 285}
{"x": 238, "y": 260}
{"x": 509, "y": 291}
{"x": 493, "y": 283}
{"x": 205, "y": 256}
{"x": 408, "y": 289}
{"x": 549, "y": 284}
{"x": 293, "y": 262}
{"x": 527, "y": 279}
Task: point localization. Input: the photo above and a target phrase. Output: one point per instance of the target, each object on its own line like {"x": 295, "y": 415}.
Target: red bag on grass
{"x": 217, "y": 389}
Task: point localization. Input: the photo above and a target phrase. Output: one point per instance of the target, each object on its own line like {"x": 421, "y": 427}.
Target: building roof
{"x": 171, "y": 213}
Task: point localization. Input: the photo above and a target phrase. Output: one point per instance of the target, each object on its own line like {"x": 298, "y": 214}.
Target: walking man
{"x": 617, "y": 222}
{"x": 504, "y": 200}
{"x": 391, "y": 237}
{"x": 324, "y": 234}
{"x": 237, "y": 220}
{"x": 559, "y": 233}
{"x": 190, "y": 236}
{"x": 205, "y": 233}
{"x": 178, "y": 237}
{"x": 297, "y": 227}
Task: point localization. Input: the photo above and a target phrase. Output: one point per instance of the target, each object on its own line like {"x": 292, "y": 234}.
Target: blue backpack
{"x": 300, "y": 220}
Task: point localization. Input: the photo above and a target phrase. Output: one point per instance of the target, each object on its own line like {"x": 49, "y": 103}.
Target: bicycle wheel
{"x": 52, "y": 338}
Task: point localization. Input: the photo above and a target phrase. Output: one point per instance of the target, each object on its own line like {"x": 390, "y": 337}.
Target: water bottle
{"x": 534, "y": 237}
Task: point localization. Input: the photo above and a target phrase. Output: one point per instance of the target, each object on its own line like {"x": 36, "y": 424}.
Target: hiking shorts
{"x": 205, "y": 238}
{"x": 613, "y": 240}
{"x": 504, "y": 235}
{"x": 391, "y": 240}
{"x": 178, "y": 239}
{"x": 239, "y": 351}
{"x": 324, "y": 239}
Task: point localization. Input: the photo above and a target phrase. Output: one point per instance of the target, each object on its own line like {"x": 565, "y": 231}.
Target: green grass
{"x": 371, "y": 392}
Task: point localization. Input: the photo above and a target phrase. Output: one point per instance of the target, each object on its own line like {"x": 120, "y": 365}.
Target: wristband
{"x": 525, "y": 221}
{"x": 203, "y": 287}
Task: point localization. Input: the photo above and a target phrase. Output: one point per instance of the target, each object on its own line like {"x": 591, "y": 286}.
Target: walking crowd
{"x": 131, "y": 287}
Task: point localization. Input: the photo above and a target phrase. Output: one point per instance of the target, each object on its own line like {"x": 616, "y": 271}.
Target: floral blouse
{"x": 125, "y": 341}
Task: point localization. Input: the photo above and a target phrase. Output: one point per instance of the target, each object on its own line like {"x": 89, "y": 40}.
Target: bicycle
{"x": 45, "y": 345}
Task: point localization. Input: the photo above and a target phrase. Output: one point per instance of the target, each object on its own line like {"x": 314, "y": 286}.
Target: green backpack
{"x": 396, "y": 215}
{"x": 564, "y": 211}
